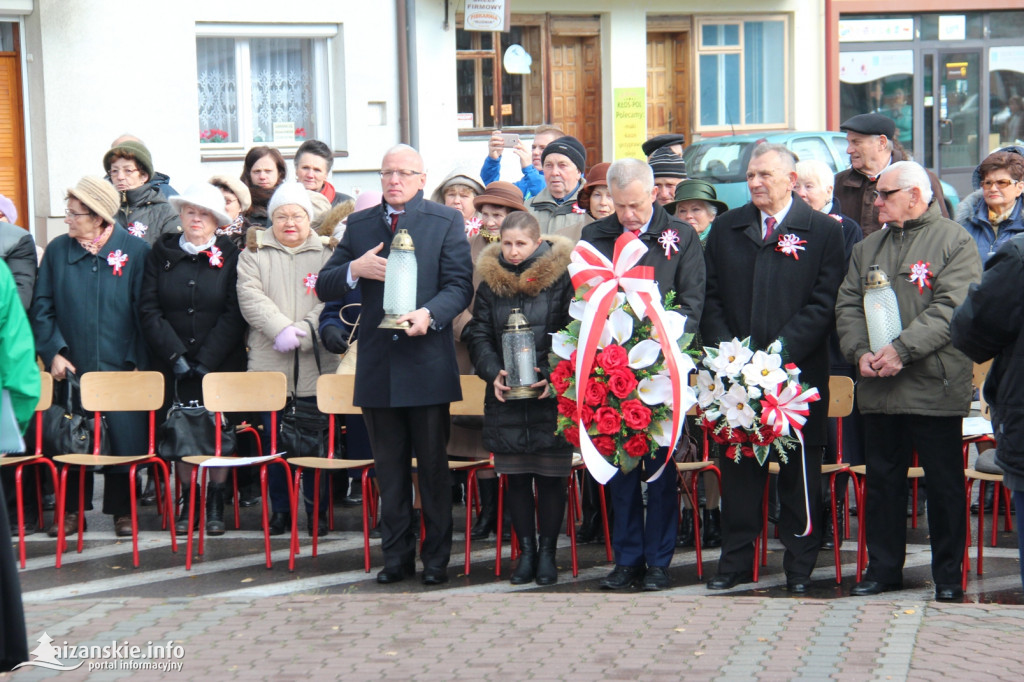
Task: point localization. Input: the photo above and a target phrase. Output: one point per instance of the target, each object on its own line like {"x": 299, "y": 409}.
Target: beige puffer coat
{"x": 273, "y": 293}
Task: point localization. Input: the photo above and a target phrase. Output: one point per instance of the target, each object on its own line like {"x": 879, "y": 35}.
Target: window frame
{"x": 321, "y": 37}
{"x": 701, "y": 50}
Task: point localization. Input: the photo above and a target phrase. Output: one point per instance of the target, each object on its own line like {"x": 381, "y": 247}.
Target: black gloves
{"x": 333, "y": 338}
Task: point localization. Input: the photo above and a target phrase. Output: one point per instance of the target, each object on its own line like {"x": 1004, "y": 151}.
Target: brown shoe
{"x": 123, "y": 526}
{"x": 70, "y": 526}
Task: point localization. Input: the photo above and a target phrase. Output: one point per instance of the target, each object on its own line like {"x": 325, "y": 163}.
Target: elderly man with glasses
{"x": 406, "y": 379}
{"x": 915, "y": 389}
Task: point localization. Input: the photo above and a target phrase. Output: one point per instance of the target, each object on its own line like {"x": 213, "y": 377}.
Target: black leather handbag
{"x": 302, "y": 430}
{"x": 67, "y": 429}
{"x": 192, "y": 430}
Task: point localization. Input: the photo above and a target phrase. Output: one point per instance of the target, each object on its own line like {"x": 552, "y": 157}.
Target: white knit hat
{"x": 290, "y": 193}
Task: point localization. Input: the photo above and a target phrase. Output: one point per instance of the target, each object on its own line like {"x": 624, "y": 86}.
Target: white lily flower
{"x": 576, "y": 309}
{"x": 775, "y": 347}
{"x": 753, "y": 393}
{"x": 619, "y": 326}
{"x": 644, "y": 354}
{"x": 738, "y": 412}
{"x": 675, "y": 325}
{"x": 732, "y": 357}
{"x": 661, "y": 432}
{"x": 709, "y": 388}
{"x": 764, "y": 370}
{"x": 655, "y": 391}
{"x": 562, "y": 345}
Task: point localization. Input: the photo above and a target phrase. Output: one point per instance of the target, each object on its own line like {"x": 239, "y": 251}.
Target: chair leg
{"x": 572, "y": 509}
{"x": 367, "y": 503}
{"x": 234, "y": 480}
{"x": 604, "y": 522}
{"x": 193, "y": 478}
{"x": 501, "y": 524}
{"x": 132, "y": 473}
{"x": 470, "y": 498}
{"x": 81, "y": 508}
{"x": 981, "y": 527}
{"x": 20, "y": 502}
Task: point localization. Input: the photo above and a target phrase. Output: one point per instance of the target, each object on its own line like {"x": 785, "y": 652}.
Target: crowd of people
{"x": 256, "y": 273}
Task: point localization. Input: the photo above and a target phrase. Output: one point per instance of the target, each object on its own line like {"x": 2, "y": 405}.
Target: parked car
{"x": 722, "y": 161}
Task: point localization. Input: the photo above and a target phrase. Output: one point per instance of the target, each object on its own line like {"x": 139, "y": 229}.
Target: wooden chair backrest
{"x": 473, "y": 391}
{"x": 335, "y": 393}
{"x": 245, "y": 391}
{"x": 46, "y": 392}
{"x": 122, "y": 391}
{"x": 980, "y": 373}
{"x": 840, "y": 396}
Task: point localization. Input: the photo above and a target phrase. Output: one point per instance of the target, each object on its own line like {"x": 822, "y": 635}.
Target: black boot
{"x": 148, "y": 498}
{"x": 686, "y": 537}
{"x": 354, "y": 498}
{"x": 547, "y": 571}
{"x": 990, "y": 497}
{"x": 711, "y": 533}
{"x": 487, "y": 521}
{"x": 526, "y": 569}
{"x": 591, "y": 529}
{"x": 215, "y": 508}
{"x": 181, "y": 524}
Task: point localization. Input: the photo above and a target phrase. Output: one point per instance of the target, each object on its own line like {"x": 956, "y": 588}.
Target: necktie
{"x": 635, "y": 233}
{"x": 769, "y": 227}
{"x": 394, "y": 221}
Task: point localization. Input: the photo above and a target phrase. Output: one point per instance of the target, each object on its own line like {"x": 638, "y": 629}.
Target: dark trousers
{"x": 548, "y": 508}
{"x": 742, "y": 500}
{"x": 396, "y": 433}
{"x": 13, "y": 639}
{"x": 638, "y": 539}
{"x": 889, "y": 442}
{"x": 1018, "y": 503}
{"x": 277, "y": 482}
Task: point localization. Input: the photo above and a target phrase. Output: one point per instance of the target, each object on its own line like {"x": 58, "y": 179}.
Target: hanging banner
{"x": 630, "y": 122}
{"x": 487, "y": 15}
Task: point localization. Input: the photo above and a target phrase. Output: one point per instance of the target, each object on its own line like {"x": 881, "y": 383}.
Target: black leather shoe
{"x": 396, "y": 574}
{"x": 867, "y": 588}
{"x": 656, "y": 579}
{"x": 727, "y": 581}
{"x": 148, "y": 498}
{"x": 798, "y": 584}
{"x": 49, "y": 502}
{"x": 280, "y": 523}
{"x": 948, "y": 593}
{"x": 434, "y": 576}
{"x": 622, "y": 577}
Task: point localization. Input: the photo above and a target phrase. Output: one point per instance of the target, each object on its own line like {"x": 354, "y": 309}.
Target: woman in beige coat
{"x": 276, "y": 293}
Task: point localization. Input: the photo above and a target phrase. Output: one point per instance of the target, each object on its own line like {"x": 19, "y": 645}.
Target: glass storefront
{"x": 953, "y": 83}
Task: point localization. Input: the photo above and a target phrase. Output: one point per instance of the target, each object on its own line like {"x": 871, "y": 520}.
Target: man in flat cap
{"x": 674, "y": 142}
{"x": 869, "y": 139}
{"x": 669, "y": 170}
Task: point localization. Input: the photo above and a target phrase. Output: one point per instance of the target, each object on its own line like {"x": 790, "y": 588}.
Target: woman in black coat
{"x": 526, "y": 272}
{"x": 190, "y": 317}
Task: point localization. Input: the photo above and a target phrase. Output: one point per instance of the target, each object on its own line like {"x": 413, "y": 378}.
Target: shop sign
{"x": 875, "y": 30}
{"x": 487, "y": 15}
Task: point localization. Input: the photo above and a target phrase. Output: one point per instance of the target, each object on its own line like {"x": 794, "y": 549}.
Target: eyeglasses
{"x": 885, "y": 193}
{"x": 71, "y": 214}
{"x": 1002, "y": 183}
{"x": 122, "y": 172}
{"x": 402, "y": 174}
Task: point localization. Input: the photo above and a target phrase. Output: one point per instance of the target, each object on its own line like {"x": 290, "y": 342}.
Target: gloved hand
{"x": 200, "y": 370}
{"x": 288, "y": 339}
{"x": 181, "y": 368}
{"x": 333, "y": 338}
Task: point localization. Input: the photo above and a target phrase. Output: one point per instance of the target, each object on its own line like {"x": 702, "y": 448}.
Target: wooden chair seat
{"x": 463, "y": 465}
{"x": 6, "y": 461}
{"x": 329, "y": 464}
{"x": 99, "y": 460}
{"x": 688, "y": 467}
{"x": 223, "y": 460}
{"x": 827, "y": 469}
{"x": 982, "y": 476}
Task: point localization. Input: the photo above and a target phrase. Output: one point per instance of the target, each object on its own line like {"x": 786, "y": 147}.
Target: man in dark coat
{"x": 759, "y": 289}
{"x": 405, "y": 379}
{"x": 644, "y": 546}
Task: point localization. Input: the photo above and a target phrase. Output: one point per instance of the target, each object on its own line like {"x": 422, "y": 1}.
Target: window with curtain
{"x": 742, "y": 72}
{"x": 262, "y": 90}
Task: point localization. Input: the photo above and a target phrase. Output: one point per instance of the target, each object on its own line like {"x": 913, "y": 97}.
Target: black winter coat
{"x": 988, "y": 325}
{"x": 756, "y": 291}
{"x": 541, "y": 288}
{"x": 189, "y": 307}
{"x": 682, "y": 271}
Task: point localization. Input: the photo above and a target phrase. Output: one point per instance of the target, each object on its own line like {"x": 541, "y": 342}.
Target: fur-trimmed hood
{"x": 540, "y": 272}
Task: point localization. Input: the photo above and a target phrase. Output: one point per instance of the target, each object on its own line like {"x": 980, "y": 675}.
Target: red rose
{"x": 611, "y": 357}
{"x": 560, "y": 376}
{"x": 764, "y": 436}
{"x": 587, "y": 415}
{"x": 572, "y": 434}
{"x": 608, "y": 420}
{"x": 572, "y": 358}
{"x": 637, "y": 446}
{"x": 596, "y": 395}
{"x": 621, "y": 382}
{"x": 605, "y": 445}
{"x": 636, "y": 415}
{"x": 721, "y": 437}
{"x": 738, "y": 436}
{"x": 567, "y": 407}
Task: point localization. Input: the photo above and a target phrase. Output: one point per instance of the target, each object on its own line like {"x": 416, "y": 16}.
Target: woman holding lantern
{"x": 524, "y": 276}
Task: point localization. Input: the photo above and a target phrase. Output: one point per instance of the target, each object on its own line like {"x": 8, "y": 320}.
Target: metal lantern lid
{"x": 517, "y": 322}
{"x": 402, "y": 241}
{"x": 876, "y": 278}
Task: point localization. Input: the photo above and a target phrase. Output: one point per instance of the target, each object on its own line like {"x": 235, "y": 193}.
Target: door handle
{"x": 945, "y": 131}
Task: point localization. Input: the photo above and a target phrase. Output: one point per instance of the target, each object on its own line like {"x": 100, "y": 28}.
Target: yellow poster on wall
{"x": 630, "y": 122}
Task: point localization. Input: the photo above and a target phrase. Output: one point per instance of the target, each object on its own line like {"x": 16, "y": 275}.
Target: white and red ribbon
{"x": 919, "y": 275}
{"x": 786, "y": 412}
{"x": 590, "y": 267}
{"x": 669, "y": 241}
{"x": 576, "y": 208}
{"x": 791, "y": 245}
{"x": 216, "y": 257}
{"x": 117, "y": 260}
{"x": 473, "y": 227}
{"x": 137, "y": 229}
{"x": 310, "y": 282}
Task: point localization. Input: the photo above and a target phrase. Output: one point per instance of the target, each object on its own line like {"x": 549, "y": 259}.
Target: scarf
{"x": 997, "y": 219}
{"x": 236, "y": 226}
{"x": 328, "y": 191}
{"x": 94, "y": 245}
{"x": 190, "y": 248}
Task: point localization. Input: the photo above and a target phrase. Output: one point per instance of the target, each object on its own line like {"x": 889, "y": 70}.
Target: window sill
{"x": 473, "y": 134}
{"x": 237, "y": 153}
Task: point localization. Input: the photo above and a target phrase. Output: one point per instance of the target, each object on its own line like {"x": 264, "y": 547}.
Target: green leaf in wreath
{"x": 761, "y": 453}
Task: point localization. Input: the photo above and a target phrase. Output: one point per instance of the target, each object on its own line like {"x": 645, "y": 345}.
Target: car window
{"x": 717, "y": 162}
{"x": 839, "y": 145}
{"x": 812, "y": 148}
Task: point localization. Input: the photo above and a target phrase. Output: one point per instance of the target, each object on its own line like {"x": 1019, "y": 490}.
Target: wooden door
{"x": 12, "y": 135}
{"x": 668, "y": 83}
{"x": 576, "y": 91}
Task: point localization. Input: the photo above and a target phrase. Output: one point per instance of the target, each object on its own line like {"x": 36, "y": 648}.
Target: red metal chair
{"x": 118, "y": 392}
{"x": 238, "y": 392}
{"x": 689, "y": 488}
{"x": 19, "y": 462}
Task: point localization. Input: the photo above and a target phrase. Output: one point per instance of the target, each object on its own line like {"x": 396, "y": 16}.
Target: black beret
{"x": 870, "y": 124}
{"x": 659, "y": 141}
